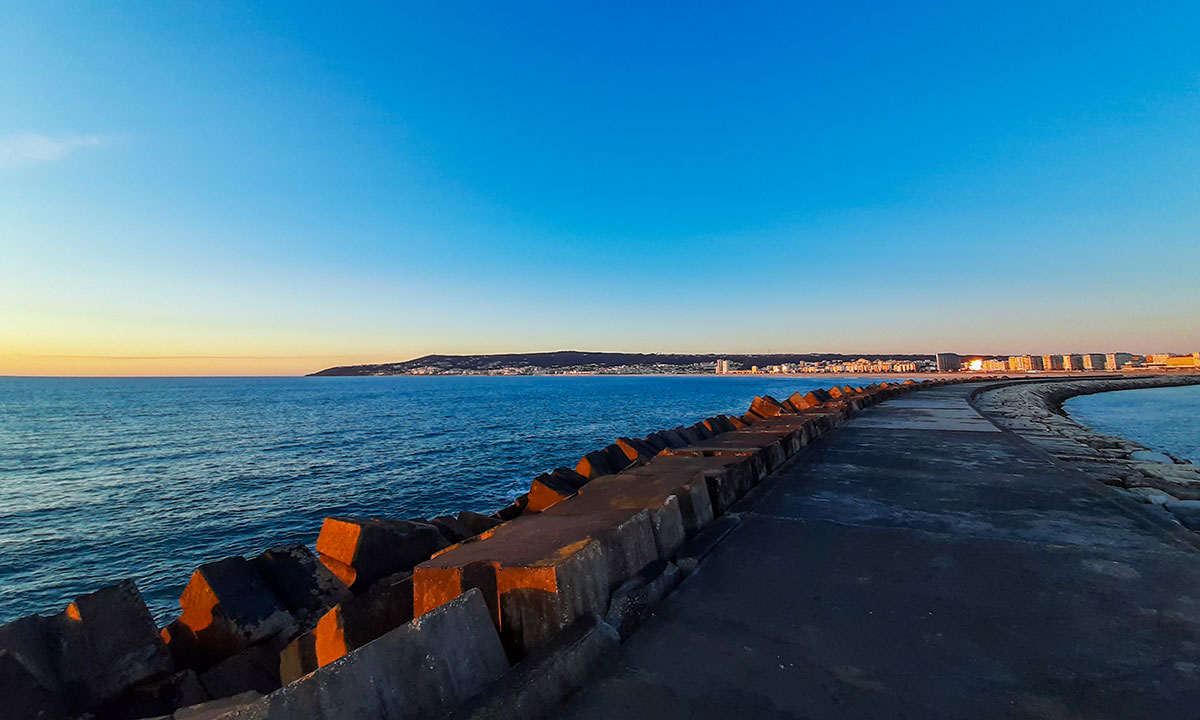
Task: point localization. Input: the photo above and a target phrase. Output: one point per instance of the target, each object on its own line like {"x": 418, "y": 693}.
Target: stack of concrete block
{"x": 360, "y": 551}
{"x": 102, "y": 647}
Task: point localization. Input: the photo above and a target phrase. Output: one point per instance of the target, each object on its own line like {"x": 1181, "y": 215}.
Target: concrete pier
{"x": 922, "y": 562}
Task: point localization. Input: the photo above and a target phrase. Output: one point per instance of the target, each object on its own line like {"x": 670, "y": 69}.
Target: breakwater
{"x": 1034, "y": 411}
{"x": 441, "y": 608}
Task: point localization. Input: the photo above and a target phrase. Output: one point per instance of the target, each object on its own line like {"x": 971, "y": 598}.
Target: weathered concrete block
{"x": 718, "y": 424}
{"x": 423, "y": 669}
{"x": 540, "y": 683}
{"x": 630, "y": 547}
{"x": 726, "y": 478}
{"x": 25, "y": 695}
{"x": 305, "y": 587}
{"x": 375, "y": 548}
{"x": 547, "y": 490}
{"x": 298, "y": 658}
{"x": 226, "y": 608}
{"x": 569, "y": 476}
{"x": 108, "y": 643}
{"x": 701, "y": 431}
{"x": 511, "y": 512}
{"x": 159, "y": 695}
{"x": 674, "y": 438}
{"x": 356, "y": 622}
{"x": 597, "y": 463}
{"x": 451, "y": 529}
{"x": 634, "y": 601}
{"x": 654, "y": 441}
{"x": 637, "y": 451}
{"x": 254, "y": 669}
{"x": 539, "y": 572}
{"x": 663, "y": 479}
{"x": 737, "y": 423}
{"x": 477, "y": 523}
{"x": 765, "y": 406}
{"x": 690, "y": 434}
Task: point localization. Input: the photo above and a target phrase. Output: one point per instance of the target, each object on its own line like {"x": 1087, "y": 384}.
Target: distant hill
{"x": 568, "y": 360}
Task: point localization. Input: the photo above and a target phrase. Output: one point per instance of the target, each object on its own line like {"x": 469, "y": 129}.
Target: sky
{"x": 274, "y": 188}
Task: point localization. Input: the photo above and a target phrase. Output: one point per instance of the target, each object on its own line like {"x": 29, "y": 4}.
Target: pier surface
{"x": 922, "y": 563}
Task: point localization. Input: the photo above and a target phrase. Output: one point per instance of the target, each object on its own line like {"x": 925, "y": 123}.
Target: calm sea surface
{"x": 1164, "y": 419}
{"x": 147, "y": 478}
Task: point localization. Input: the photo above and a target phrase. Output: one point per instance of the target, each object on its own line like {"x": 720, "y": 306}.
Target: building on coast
{"x": 948, "y": 362}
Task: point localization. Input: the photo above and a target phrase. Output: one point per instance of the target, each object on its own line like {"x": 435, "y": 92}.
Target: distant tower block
{"x": 948, "y": 362}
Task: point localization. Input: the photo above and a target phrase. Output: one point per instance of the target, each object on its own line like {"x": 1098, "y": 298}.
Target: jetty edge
{"x": 922, "y": 562}
{"x": 420, "y": 618}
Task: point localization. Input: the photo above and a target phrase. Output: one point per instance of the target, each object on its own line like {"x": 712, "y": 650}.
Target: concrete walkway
{"x": 920, "y": 563}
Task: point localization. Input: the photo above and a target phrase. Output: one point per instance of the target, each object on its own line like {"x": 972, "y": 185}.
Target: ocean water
{"x": 1164, "y": 419}
{"x": 147, "y": 478}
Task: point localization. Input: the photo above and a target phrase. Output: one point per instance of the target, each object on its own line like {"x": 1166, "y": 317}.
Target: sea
{"x": 1163, "y": 419}
{"x": 148, "y": 478}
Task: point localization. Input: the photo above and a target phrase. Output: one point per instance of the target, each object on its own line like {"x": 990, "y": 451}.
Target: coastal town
{"x": 906, "y": 365}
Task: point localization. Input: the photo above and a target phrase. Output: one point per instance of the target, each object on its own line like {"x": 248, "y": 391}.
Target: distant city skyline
{"x": 270, "y": 190}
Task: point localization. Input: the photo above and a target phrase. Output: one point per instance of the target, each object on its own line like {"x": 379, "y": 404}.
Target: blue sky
{"x": 273, "y": 188}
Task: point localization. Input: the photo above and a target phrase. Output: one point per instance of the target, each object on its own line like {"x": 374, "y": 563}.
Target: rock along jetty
{"x": 920, "y": 559}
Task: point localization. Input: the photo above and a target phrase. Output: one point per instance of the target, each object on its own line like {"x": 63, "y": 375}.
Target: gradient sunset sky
{"x": 273, "y": 188}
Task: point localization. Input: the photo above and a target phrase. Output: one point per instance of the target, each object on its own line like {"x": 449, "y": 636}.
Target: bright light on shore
{"x": 975, "y": 365}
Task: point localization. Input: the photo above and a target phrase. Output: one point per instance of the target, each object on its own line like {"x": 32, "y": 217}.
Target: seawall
{"x": 418, "y": 617}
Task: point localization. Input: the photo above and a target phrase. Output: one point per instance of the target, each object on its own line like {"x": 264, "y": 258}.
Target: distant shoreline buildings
{"x": 1070, "y": 362}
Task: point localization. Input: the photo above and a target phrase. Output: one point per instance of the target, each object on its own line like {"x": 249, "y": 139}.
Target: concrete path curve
{"x": 921, "y": 563}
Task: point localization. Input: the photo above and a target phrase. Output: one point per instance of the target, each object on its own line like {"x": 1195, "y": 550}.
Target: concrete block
{"x": 109, "y": 642}
{"x": 388, "y": 604}
{"x": 226, "y": 608}
{"x": 256, "y": 668}
{"x": 451, "y": 529}
{"x": 513, "y": 511}
{"x": 675, "y": 439}
{"x": 375, "y": 548}
{"x": 701, "y": 431}
{"x": 32, "y": 649}
{"x": 765, "y": 406}
{"x": 538, "y": 685}
{"x": 652, "y": 484}
{"x": 634, "y": 601}
{"x": 718, "y": 424}
{"x": 423, "y": 669}
{"x": 637, "y": 451}
{"x": 159, "y": 695}
{"x": 539, "y": 572}
{"x": 26, "y": 695}
{"x": 547, "y": 490}
{"x": 737, "y": 423}
{"x": 477, "y": 523}
{"x": 654, "y": 441}
{"x": 726, "y": 478}
{"x": 597, "y": 463}
{"x": 305, "y": 587}
{"x": 570, "y": 477}
{"x": 298, "y": 658}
